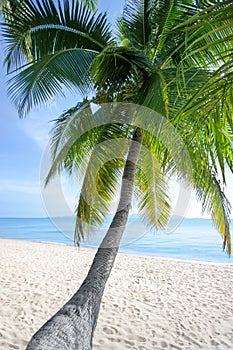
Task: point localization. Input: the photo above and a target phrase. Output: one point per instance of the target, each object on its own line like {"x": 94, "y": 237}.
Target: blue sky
{"x": 22, "y": 142}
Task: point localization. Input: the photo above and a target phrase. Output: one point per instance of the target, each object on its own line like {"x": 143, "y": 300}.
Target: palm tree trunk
{"x": 73, "y": 326}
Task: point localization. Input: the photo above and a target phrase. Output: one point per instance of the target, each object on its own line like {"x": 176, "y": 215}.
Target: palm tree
{"x": 171, "y": 58}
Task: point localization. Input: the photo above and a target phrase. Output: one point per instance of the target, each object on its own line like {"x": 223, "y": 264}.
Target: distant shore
{"x": 149, "y": 303}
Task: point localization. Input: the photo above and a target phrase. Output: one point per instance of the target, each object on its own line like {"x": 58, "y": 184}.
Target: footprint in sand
{"x": 109, "y": 330}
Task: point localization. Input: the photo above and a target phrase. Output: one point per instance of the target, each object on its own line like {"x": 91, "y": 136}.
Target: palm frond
{"x": 214, "y": 202}
{"x": 49, "y": 76}
{"x": 209, "y": 34}
{"x": 215, "y": 87}
{"x": 207, "y": 115}
{"x": 71, "y": 126}
{"x": 153, "y": 95}
{"x": 114, "y": 66}
{"x": 152, "y": 191}
{"x": 84, "y": 125}
{"x": 38, "y": 29}
{"x": 169, "y": 41}
{"x": 99, "y": 187}
{"x": 91, "y": 4}
{"x": 134, "y": 25}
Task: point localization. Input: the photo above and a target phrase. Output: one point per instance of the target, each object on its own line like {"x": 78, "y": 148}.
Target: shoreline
{"x": 134, "y": 254}
{"x": 149, "y": 303}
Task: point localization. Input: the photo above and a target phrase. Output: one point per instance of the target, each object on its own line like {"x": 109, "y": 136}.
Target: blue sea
{"x": 193, "y": 239}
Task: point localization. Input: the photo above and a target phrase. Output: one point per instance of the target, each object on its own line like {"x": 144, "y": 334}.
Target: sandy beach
{"x": 149, "y": 303}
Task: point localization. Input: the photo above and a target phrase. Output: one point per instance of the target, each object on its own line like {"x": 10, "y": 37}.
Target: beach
{"x": 149, "y": 303}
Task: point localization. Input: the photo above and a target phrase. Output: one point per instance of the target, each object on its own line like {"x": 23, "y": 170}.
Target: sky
{"x": 23, "y": 143}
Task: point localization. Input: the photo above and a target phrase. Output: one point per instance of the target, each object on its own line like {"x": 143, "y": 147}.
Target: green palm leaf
{"x": 49, "y": 76}
{"x": 71, "y": 138}
{"x": 114, "y": 66}
{"x": 207, "y": 116}
{"x": 60, "y": 43}
{"x": 214, "y": 202}
{"x": 152, "y": 191}
{"x": 99, "y": 187}
{"x": 209, "y": 34}
{"x": 134, "y": 23}
{"x": 35, "y": 30}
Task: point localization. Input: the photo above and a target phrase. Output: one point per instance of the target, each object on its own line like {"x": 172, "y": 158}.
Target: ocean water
{"x": 193, "y": 239}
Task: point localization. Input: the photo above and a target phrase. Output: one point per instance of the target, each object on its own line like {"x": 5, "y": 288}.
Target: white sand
{"x": 149, "y": 303}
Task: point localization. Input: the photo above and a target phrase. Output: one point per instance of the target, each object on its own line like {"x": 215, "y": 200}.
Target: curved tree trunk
{"x": 72, "y": 327}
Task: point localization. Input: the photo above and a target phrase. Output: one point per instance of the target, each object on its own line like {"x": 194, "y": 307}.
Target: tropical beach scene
{"x": 116, "y": 175}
